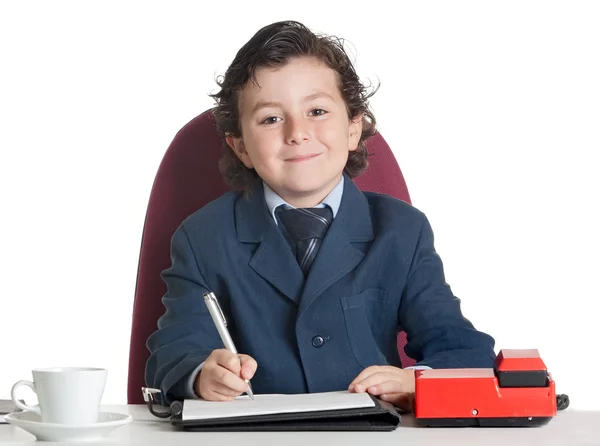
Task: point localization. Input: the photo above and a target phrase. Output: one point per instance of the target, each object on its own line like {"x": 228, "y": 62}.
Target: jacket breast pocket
{"x": 368, "y": 317}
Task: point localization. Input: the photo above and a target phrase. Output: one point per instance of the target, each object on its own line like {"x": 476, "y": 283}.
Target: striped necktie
{"x": 305, "y": 228}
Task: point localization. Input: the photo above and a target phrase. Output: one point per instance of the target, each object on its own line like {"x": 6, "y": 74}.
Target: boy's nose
{"x": 297, "y": 131}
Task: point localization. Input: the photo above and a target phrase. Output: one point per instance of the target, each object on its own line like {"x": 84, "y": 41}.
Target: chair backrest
{"x": 187, "y": 179}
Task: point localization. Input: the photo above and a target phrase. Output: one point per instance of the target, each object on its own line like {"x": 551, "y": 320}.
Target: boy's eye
{"x": 271, "y": 120}
{"x": 317, "y": 112}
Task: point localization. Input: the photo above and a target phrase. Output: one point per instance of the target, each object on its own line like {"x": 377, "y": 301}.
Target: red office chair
{"x": 187, "y": 179}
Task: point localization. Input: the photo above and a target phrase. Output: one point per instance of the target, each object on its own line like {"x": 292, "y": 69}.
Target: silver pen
{"x": 218, "y": 318}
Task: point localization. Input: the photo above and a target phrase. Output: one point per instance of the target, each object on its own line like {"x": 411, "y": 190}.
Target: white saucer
{"x": 31, "y": 422}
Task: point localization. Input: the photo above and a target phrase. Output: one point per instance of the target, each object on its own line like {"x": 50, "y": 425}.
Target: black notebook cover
{"x": 381, "y": 417}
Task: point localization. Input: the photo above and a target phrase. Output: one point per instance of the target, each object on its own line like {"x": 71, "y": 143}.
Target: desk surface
{"x": 569, "y": 427}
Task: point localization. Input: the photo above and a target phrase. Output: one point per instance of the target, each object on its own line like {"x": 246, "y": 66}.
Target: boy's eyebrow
{"x": 264, "y": 104}
{"x": 318, "y": 95}
{"x": 274, "y": 104}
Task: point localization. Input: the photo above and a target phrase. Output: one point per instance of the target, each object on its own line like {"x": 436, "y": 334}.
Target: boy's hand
{"x": 391, "y": 384}
{"x": 223, "y": 374}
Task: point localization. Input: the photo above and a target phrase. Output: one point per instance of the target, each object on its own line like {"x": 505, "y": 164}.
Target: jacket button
{"x": 318, "y": 341}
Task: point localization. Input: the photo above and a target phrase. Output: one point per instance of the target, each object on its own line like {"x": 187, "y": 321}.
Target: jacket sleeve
{"x": 186, "y": 334}
{"x": 438, "y": 335}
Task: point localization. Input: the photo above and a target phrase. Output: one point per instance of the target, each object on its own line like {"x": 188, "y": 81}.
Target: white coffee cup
{"x": 66, "y": 395}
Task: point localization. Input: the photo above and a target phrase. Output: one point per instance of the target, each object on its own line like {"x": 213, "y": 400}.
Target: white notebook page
{"x": 270, "y": 404}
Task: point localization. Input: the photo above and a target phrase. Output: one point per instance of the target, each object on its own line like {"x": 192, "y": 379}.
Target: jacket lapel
{"x": 273, "y": 259}
{"x": 338, "y": 255}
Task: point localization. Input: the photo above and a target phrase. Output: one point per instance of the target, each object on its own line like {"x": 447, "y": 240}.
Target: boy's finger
{"x": 230, "y": 380}
{"x": 217, "y": 396}
{"x": 249, "y": 366}
{"x": 230, "y": 361}
{"x": 369, "y": 371}
{"x": 388, "y": 387}
{"x": 373, "y": 380}
{"x": 227, "y": 391}
{"x": 363, "y": 375}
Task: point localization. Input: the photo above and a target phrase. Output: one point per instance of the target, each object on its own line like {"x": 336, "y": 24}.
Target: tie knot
{"x": 305, "y": 223}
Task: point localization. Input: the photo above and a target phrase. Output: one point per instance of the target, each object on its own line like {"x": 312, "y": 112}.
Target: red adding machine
{"x": 518, "y": 391}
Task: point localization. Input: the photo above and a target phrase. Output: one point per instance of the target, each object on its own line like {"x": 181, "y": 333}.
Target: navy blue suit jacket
{"x": 376, "y": 273}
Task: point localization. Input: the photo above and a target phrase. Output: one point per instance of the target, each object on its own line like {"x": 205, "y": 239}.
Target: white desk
{"x": 568, "y": 428}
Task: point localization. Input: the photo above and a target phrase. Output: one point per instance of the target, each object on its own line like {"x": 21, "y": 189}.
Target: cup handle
{"x": 18, "y": 403}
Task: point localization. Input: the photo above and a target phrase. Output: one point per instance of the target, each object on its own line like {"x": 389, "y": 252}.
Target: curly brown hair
{"x": 272, "y": 46}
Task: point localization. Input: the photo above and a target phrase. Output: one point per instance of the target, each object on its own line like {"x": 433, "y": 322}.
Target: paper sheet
{"x": 270, "y": 404}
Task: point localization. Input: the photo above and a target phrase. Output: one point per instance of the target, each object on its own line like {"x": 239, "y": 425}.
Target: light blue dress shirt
{"x": 332, "y": 200}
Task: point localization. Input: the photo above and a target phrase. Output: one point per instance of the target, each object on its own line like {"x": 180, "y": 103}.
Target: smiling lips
{"x": 301, "y": 158}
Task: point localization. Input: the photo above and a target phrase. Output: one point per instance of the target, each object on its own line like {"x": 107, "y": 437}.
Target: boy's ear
{"x": 239, "y": 148}
{"x": 355, "y": 132}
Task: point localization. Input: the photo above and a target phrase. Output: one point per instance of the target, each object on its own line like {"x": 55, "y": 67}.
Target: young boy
{"x": 315, "y": 277}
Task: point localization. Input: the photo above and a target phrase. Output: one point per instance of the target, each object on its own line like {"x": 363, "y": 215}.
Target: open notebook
{"x": 312, "y": 411}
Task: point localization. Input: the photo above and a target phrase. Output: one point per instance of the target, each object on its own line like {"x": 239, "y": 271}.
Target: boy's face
{"x": 296, "y": 132}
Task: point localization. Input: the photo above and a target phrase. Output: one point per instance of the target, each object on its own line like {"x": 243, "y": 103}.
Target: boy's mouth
{"x": 300, "y": 158}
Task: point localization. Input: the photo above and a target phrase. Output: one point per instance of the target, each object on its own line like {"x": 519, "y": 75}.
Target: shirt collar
{"x": 332, "y": 200}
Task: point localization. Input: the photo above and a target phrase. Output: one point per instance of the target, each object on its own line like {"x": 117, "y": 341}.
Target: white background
{"x": 492, "y": 110}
